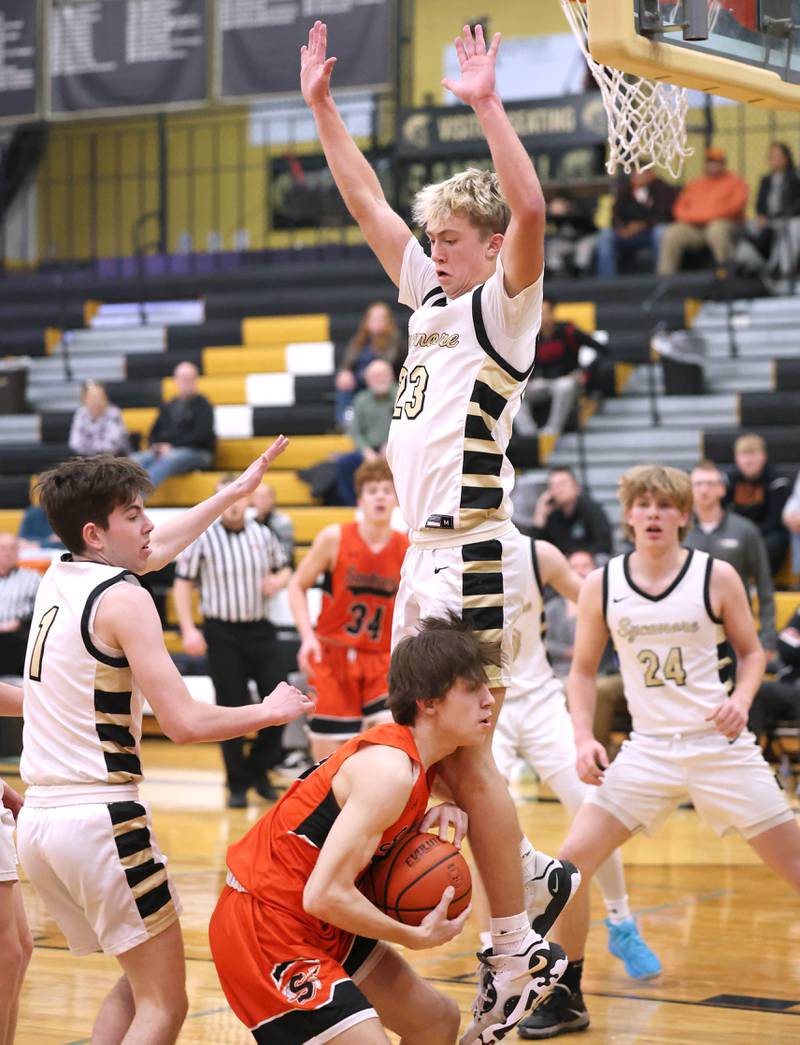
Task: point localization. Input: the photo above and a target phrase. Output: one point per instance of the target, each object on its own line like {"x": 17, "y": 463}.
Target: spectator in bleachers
{"x": 570, "y": 235}
{"x": 708, "y": 212}
{"x": 35, "y": 530}
{"x": 737, "y": 540}
{"x": 239, "y": 565}
{"x": 377, "y": 337}
{"x": 18, "y": 587}
{"x": 182, "y": 438}
{"x": 779, "y": 699}
{"x": 263, "y": 500}
{"x": 97, "y": 425}
{"x": 758, "y": 493}
{"x": 641, "y": 214}
{"x": 778, "y": 211}
{"x": 791, "y": 520}
{"x": 372, "y": 416}
{"x": 569, "y": 518}
{"x": 557, "y": 375}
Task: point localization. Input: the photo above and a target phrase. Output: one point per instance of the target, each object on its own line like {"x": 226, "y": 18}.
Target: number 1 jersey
{"x": 358, "y": 595}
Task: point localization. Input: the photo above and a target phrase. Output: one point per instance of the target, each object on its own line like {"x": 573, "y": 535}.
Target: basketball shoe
{"x": 510, "y": 985}
{"x": 625, "y": 942}
{"x": 549, "y": 886}
{"x": 562, "y": 1013}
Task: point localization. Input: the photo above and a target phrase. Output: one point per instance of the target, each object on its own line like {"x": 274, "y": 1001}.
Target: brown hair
{"x": 371, "y": 472}
{"x": 660, "y": 480}
{"x": 426, "y": 665}
{"x": 383, "y": 341}
{"x": 749, "y": 441}
{"x": 707, "y": 465}
{"x": 88, "y": 489}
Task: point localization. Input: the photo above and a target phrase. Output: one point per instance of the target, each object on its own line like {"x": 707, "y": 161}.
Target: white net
{"x": 646, "y": 120}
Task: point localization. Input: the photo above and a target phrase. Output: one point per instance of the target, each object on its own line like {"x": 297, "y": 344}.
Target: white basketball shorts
{"x": 8, "y": 854}
{"x": 99, "y": 872}
{"x": 730, "y": 784}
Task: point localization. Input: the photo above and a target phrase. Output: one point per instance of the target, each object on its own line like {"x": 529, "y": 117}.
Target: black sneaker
{"x": 265, "y": 788}
{"x": 549, "y": 886}
{"x": 237, "y": 800}
{"x": 562, "y": 1013}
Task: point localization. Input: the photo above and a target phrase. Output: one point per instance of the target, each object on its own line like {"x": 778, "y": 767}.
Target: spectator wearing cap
{"x": 708, "y": 212}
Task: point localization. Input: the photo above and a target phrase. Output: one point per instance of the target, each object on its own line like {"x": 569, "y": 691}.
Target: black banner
{"x": 114, "y": 54}
{"x": 261, "y": 42}
{"x": 18, "y": 41}
{"x": 547, "y": 123}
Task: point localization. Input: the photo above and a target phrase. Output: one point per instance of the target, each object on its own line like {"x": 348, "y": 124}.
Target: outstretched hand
{"x": 315, "y": 68}
{"x": 477, "y": 66}
{"x": 254, "y": 473}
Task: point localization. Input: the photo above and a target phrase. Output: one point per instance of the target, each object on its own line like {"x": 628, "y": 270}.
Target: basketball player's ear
{"x": 493, "y": 244}
{"x": 92, "y": 536}
{"x": 427, "y": 706}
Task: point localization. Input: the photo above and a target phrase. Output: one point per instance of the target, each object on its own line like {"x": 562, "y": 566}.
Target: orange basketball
{"x": 409, "y": 881}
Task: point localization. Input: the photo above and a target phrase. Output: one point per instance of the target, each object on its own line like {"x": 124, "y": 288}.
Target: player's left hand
{"x": 12, "y": 800}
{"x": 252, "y": 476}
{"x": 477, "y": 66}
{"x": 730, "y": 718}
{"x": 442, "y": 818}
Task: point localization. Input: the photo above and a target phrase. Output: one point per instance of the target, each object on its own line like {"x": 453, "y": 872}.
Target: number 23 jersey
{"x": 672, "y": 650}
{"x": 358, "y": 595}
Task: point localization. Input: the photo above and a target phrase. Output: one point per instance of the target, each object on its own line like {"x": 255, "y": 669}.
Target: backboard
{"x": 751, "y": 54}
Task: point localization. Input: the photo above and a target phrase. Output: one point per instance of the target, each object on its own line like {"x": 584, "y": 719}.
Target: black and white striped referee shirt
{"x": 18, "y": 593}
{"x": 230, "y": 565}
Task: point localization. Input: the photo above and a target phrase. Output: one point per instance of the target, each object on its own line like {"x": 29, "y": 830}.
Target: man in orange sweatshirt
{"x": 707, "y": 213}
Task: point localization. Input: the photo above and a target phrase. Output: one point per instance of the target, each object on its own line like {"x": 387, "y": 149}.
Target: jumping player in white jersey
{"x": 669, "y": 612}
{"x": 16, "y": 943}
{"x": 477, "y": 306}
{"x": 534, "y": 724}
{"x": 95, "y": 653}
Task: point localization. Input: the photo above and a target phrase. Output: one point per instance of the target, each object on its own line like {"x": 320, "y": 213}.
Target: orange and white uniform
{"x": 355, "y": 629}
{"x": 289, "y": 977}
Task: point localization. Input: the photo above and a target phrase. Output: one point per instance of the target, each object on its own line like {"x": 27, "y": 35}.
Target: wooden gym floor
{"x": 726, "y": 930}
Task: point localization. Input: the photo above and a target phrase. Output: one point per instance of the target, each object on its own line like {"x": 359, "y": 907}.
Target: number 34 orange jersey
{"x": 359, "y": 594}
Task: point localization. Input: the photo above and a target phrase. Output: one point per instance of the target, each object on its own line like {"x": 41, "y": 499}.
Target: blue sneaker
{"x": 625, "y": 942}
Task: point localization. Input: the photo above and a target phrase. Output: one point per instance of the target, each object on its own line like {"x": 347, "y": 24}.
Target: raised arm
{"x": 127, "y": 619}
{"x": 321, "y": 558}
{"x": 384, "y": 230}
{"x": 523, "y": 245}
{"x": 169, "y": 538}
{"x": 591, "y": 637}
{"x": 556, "y": 571}
{"x": 377, "y": 782}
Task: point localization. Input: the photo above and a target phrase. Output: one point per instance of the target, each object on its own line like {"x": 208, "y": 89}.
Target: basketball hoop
{"x": 646, "y": 119}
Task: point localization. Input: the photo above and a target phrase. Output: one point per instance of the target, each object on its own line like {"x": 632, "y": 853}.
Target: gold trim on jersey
{"x": 113, "y": 721}
{"x": 146, "y": 876}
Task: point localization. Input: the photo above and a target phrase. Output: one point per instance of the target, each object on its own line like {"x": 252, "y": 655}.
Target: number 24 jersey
{"x": 358, "y": 597}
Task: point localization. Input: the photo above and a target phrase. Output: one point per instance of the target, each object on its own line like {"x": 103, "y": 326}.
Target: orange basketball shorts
{"x": 287, "y": 984}
{"x": 351, "y": 690}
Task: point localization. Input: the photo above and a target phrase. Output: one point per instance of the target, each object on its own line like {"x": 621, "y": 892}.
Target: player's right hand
{"x": 591, "y": 761}
{"x": 194, "y": 643}
{"x": 436, "y": 928}
{"x": 309, "y": 654}
{"x": 286, "y": 702}
{"x": 315, "y": 68}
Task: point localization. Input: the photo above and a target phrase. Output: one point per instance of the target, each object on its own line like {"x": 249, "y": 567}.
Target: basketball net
{"x": 646, "y": 120}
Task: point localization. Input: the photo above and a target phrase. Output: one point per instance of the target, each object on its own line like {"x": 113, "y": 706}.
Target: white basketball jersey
{"x": 83, "y": 713}
{"x": 671, "y": 648}
{"x": 531, "y": 671}
{"x": 457, "y": 398}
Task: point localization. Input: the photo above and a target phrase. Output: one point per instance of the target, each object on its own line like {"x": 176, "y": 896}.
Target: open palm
{"x": 315, "y": 68}
{"x": 477, "y": 66}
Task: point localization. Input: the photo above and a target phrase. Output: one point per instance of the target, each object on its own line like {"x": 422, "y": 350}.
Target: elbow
{"x": 316, "y": 901}
{"x": 179, "y": 732}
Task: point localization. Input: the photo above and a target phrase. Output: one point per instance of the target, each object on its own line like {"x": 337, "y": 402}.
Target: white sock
{"x": 528, "y": 855}
{"x": 618, "y": 910}
{"x": 508, "y": 933}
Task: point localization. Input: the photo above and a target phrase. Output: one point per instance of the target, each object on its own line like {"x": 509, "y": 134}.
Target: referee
{"x": 18, "y": 588}
{"x": 239, "y": 565}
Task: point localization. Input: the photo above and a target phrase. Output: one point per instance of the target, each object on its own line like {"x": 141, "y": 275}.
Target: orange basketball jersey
{"x": 275, "y": 858}
{"x": 359, "y": 594}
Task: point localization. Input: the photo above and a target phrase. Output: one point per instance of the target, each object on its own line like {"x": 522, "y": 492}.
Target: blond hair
{"x": 658, "y": 480}
{"x": 473, "y": 194}
{"x": 749, "y": 441}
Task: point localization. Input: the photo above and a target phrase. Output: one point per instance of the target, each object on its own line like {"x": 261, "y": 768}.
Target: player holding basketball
{"x": 96, "y": 653}
{"x": 293, "y": 939}
{"x": 16, "y": 943}
{"x": 346, "y": 659}
{"x": 477, "y": 307}
{"x": 669, "y": 612}
{"x": 534, "y": 724}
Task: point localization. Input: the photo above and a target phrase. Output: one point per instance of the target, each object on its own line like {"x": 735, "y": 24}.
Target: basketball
{"x": 409, "y": 881}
